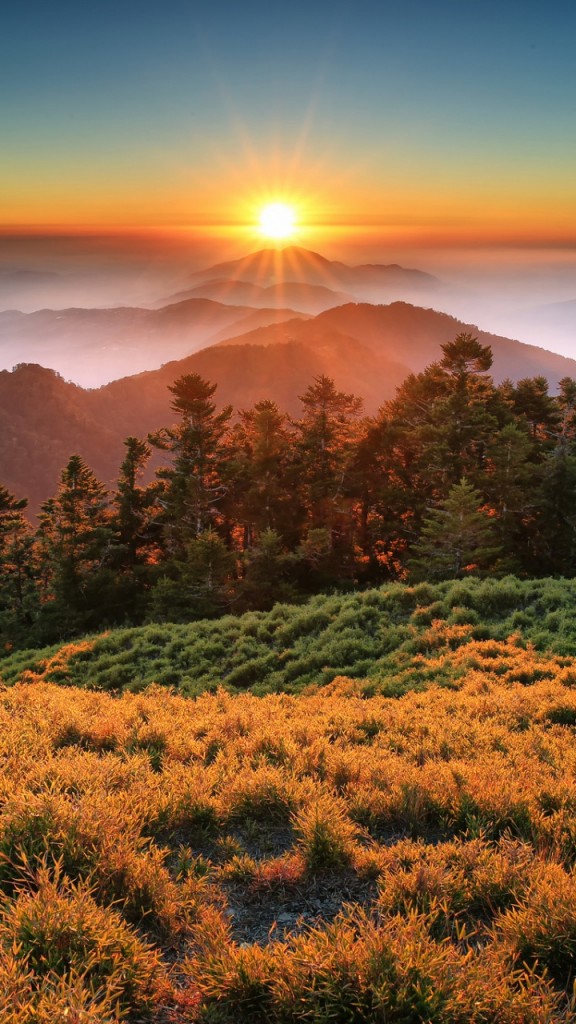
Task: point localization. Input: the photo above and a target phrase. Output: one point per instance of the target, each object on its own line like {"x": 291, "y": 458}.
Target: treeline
{"x": 456, "y": 476}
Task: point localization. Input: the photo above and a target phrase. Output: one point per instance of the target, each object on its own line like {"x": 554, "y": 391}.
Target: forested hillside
{"x": 366, "y": 350}
{"x": 456, "y": 476}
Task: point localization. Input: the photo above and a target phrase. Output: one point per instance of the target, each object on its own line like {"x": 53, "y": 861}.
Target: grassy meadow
{"x": 385, "y": 636}
{"x": 376, "y": 825}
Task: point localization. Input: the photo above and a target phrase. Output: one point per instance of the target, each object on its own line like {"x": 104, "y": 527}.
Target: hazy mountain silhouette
{"x": 93, "y": 346}
{"x": 310, "y": 298}
{"x": 256, "y": 319}
{"x": 413, "y": 336}
{"x": 375, "y": 281}
{"x": 367, "y": 350}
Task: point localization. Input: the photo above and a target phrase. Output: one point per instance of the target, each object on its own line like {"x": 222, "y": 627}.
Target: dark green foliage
{"x": 19, "y": 602}
{"x": 75, "y": 545}
{"x": 268, "y": 568}
{"x": 457, "y": 538}
{"x": 374, "y": 634}
{"x": 192, "y": 485}
{"x": 456, "y": 476}
{"x": 197, "y": 585}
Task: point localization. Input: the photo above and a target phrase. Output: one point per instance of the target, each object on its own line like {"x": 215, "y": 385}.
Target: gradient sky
{"x": 446, "y": 121}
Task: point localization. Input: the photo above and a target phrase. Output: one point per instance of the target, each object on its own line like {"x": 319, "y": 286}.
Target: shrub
{"x": 60, "y": 931}
{"x": 325, "y": 835}
{"x": 541, "y": 931}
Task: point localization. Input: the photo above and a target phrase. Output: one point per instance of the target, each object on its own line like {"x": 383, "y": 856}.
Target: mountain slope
{"x": 295, "y": 264}
{"x": 368, "y": 350}
{"x": 310, "y": 298}
{"x": 93, "y": 346}
{"x": 45, "y": 419}
{"x": 246, "y": 374}
{"x": 413, "y": 336}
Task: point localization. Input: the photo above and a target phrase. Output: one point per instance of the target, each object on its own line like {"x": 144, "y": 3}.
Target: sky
{"x": 420, "y": 123}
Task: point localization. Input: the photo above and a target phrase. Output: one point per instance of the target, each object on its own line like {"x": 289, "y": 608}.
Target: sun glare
{"x": 277, "y": 220}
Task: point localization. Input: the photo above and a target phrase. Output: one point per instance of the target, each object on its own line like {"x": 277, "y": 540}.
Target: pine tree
{"x": 457, "y": 538}
{"x": 513, "y": 485}
{"x": 268, "y": 573}
{"x": 556, "y": 547}
{"x": 134, "y": 505}
{"x": 532, "y": 401}
{"x": 137, "y": 547}
{"x": 263, "y": 486}
{"x": 192, "y": 486}
{"x": 199, "y": 585}
{"x": 76, "y": 540}
{"x": 19, "y": 596}
{"x": 388, "y": 497}
{"x": 326, "y": 440}
{"x": 447, "y": 415}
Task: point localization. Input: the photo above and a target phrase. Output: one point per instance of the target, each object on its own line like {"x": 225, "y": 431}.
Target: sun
{"x": 278, "y": 220}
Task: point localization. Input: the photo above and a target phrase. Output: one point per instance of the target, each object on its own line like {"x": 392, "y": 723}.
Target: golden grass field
{"x": 327, "y": 856}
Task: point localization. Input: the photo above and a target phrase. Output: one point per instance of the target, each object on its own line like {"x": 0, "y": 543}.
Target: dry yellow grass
{"x": 317, "y": 857}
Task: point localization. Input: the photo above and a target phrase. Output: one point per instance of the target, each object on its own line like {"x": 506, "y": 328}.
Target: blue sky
{"x": 397, "y": 111}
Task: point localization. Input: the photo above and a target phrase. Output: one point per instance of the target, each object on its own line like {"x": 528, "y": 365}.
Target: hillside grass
{"x": 322, "y": 857}
{"x": 392, "y": 636}
{"x": 394, "y": 841}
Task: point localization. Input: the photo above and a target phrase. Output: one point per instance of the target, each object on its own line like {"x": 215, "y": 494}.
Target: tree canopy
{"x": 455, "y": 476}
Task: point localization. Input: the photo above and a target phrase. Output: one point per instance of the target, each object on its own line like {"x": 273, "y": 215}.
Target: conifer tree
{"x": 268, "y": 573}
{"x": 457, "y": 538}
{"x": 512, "y": 484}
{"x": 197, "y": 586}
{"x": 192, "y": 486}
{"x": 263, "y": 487}
{"x": 137, "y": 538}
{"x": 556, "y": 550}
{"x": 326, "y": 439}
{"x": 531, "y": 399}
{"x": 76, "y": 539}
{"x": 18, "y": 584}
{"x": 388, "y": 497}
{"x": 134, "y": 505}
{"x": 447, "y": 415}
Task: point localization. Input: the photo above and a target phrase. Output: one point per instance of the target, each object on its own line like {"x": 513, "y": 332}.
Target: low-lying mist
{"x": 526, "y": 294}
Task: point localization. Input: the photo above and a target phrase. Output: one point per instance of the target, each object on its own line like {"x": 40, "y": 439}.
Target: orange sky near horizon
{"x": 451, "y": 127}
{"x": 444, "y": 209}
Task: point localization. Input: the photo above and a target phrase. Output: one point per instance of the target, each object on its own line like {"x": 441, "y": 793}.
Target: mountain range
{"x": 367, "y": 350}
{"x": 294, "y": 263}
{"x": 310, "y": 298}
{"x": 93, "y": 346}
{"x": 252, "y": 351}
{"x": 412, "y": 336}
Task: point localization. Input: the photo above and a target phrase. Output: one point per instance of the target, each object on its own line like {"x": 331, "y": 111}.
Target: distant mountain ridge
{"x": 92, "y": 346}
{"x": 296, "y": 264}
{"x": 310, "y": 298}
{"x": 367, "y": 350}
{"x": 412, "y": 336}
